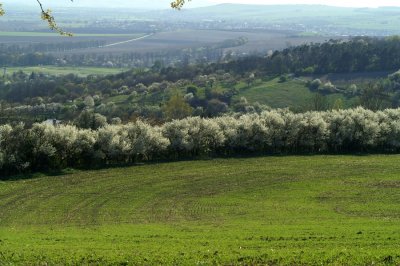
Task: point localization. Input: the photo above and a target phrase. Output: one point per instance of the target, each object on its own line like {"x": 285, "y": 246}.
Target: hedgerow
{"x": 48, "y": 147}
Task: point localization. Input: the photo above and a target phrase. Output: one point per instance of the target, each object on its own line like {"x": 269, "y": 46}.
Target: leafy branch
{"x": 1, "y": 10}
{"x": 178, "y": 4}
{"x": 47, "y": 16}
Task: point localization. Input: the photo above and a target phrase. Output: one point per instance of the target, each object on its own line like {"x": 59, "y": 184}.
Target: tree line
{"x": 360, "y": 54}
{"x": 65, "y": 54}
{"x": 357, "y": 55}
{"x": 47, "y": 147}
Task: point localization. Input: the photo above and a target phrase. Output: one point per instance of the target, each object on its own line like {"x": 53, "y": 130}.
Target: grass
{"x": 287, "y": 94}
{"x": 56, "y": 70}
{"x": 292, "y": 93}
{"x": 269, "y": 210}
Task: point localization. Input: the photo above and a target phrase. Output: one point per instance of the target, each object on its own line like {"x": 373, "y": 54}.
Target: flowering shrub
{"x": 48, "y": 147}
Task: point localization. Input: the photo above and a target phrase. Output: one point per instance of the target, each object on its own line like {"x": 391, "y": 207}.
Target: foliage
{"x": 48, "y": 147}
{"x": 319, "y": 102}
{"x": 374, "y": 97}
{"x": 178, "y": 4}
{"x": 47, "y": 16}
{"x": 177, "y": 108}
{"x": 215, "y": 88}
{"x": 91, "y": 120}
{"x": 334, "y": 56}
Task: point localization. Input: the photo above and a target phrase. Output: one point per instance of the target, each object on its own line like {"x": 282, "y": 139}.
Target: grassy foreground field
{"x": 340, "y": 210}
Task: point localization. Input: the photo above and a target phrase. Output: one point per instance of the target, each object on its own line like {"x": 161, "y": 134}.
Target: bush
{"x": 315, "y": 84}
{"x": 48, "y": 147}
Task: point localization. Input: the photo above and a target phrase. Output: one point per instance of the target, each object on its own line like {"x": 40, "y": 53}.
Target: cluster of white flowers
{"x": 45, "y": 146}
{"x": 193, "y": 136}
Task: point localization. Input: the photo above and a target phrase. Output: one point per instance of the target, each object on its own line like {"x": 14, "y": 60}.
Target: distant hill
{"x": 272, "y": 12}
{"x": 311, "y": 19}
{"x": 328, "y": 20}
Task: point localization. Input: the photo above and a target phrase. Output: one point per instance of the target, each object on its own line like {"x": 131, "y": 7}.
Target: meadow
{"x": 292, "y": 93}
{"x": 277, "y": 210}
{"x": 260, "y": 41}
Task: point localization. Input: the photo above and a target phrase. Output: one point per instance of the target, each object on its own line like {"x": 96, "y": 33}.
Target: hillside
{"x": 346, "y": 74}
{"x": 275, "y": 210}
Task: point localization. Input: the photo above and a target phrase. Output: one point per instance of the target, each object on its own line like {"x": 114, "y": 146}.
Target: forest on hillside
{"x": 162, "y": 93}
{"x": 187, "y": 111}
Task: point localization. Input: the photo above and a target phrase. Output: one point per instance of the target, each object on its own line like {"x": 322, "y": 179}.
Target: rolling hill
{"x": 269, "y": 210}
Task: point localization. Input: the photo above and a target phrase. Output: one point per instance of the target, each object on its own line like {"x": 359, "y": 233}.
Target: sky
{"x": 345, "y": 3}
{"x": 196, "y": 3}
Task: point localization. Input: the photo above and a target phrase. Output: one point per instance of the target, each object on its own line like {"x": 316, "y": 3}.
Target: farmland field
{"x": 180, "y": 39}
{"x": 167, "y": 41}
{"x": 267, "y": 210}
{"x": 28, "y": 38}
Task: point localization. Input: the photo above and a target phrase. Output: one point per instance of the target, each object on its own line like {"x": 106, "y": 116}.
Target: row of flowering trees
{"x": 47, "y": 147}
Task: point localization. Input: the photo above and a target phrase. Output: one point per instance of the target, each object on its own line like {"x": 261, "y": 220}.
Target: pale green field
{"x": 292, "y": 93}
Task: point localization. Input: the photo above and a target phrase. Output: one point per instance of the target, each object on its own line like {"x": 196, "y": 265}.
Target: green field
{"x": 277, "y": 95}
{"x": 338, "y": 210}
{"x": 292, "y": 93}
{"x": 55, "y": 70}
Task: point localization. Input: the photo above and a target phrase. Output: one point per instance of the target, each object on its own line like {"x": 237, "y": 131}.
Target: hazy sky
{"x": 196, "y": 3}
{"x": 349, "y": 3}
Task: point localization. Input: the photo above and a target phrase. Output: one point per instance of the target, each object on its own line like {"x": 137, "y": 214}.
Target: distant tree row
{"x": 335, "y": 56}
{"x": 48, "y": 147}
{"x": 65, "y": 54}
{"x": 360, "y": 54}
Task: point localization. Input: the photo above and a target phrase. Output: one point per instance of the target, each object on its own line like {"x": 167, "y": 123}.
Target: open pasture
{"x": 292, "y": 93}
{"x": 288, "y": 210}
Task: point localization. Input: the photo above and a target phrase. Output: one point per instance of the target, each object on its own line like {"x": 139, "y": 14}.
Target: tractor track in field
{"x": 127, "y": 41}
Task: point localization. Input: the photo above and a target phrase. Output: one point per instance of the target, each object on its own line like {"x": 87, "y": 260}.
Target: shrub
{"x": 48, "y": 147}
